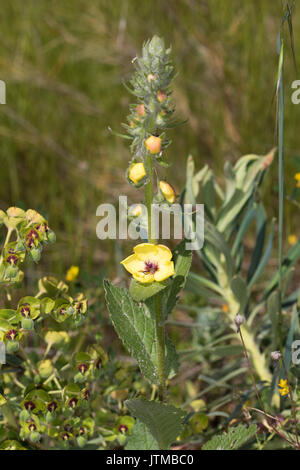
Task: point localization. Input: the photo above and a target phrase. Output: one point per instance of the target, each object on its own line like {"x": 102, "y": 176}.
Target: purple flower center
{"x": 150, "y": 267}
{"x": 29, "y": 405}
{"x": 86, "y": 394}
{"x": 123, "y": 428}
{"x": 52, "y": 406}
{"x": 12, "y": 259}
{"x": 82, "y": 368}
{"x": 11, "y": 334}
{"x": 73, "y": 402}
{"x": 25, "y": 310}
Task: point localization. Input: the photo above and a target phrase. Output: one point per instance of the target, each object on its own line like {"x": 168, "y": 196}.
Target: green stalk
{"x": 149, "y": 195}
{"x": 281, "y": 192}
{"x": 160, "y": 338}
{"x": 159, "y": 325}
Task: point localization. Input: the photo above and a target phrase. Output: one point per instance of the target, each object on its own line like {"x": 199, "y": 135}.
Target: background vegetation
{"x": 64, "y": 63}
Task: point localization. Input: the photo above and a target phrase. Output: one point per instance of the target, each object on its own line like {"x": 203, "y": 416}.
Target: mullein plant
{"x": 158, "y": 274}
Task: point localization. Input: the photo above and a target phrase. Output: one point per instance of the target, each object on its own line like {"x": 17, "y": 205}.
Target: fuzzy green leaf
{"x": 163, "y": 421}
{"x": 134, "y": 322}
{"x": 141, "y": 438}
{"x": 141, "y": 292}
{"x": 233, "y": 440}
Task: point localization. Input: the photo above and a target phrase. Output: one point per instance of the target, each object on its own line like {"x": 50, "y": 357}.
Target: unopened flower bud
{"x": 238, "y": 322}
{"x": 137, "y": 172}
{"x": 136, "y": 211}
{"x": 161, "y": 96}
{"x": 167, "y": 191}
{"x": 140, "y": 109}
{"x": 151, "y": 77}
{"x": 275, "y": 356}
{"x": 153, "y": 144}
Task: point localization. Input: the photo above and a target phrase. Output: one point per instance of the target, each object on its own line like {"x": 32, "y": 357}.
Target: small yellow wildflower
{"x": 72, "y": 273}
{"x": 167, "y": 191}
{"x": 137, "y": 172}
{"x": 150, "y": 263}
{"x": 283, "y": 387}
{"x": 297, "y": 178}
{"x": 153, "y": 144}
{"x": 292, "y": 239}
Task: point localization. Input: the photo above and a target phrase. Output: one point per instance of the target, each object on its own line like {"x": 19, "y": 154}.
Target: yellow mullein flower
{"x": 167, "y": 191}
{"x": 153, "y": 144}
{"x": 72, "y": 273}
{"x": 137, "y": 172}
{"x": 283, "y": 387}
{"x": 292, "y": 239}
{"x": 150, "y": 263}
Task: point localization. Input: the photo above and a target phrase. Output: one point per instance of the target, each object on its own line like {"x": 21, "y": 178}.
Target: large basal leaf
{"x": 182, "y": 260}
{"x": 290, "y": 259}
{"x": 215, "y": 244}
{"x": 134, "y": 322}
{"x": 264, "y": 259}
{"x": 163, "y": 421}
{"x": 233, "y": 440}
{"x": 141, "y": 438}
{"x": 261, "y": 228}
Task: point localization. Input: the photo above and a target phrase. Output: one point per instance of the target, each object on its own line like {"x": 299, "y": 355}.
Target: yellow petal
{"x": 146, "y": 251}
{"x": 165, "y": 270}
{"x": 133, "y": 264}
{"x": 164, "y": 253}
{"x": 282, "y": 383}
{"x": 143, "y": 278}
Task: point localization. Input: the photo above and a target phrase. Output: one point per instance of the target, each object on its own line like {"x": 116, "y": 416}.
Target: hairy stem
{"x": 160, "y": 338}
{"x": 149, "y": 196}
{"x": 160, "y": 328}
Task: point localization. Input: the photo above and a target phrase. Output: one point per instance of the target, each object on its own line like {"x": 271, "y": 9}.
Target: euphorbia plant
{"x": 45, "y": 388}
{"x": 139, "y": 314}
